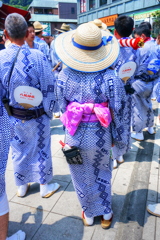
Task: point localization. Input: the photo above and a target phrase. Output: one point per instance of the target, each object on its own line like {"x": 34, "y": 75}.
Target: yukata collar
{"x": 13, "y": 45}
{"x": 147, "y": 39}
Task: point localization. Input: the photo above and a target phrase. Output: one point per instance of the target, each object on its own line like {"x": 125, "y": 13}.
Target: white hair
{"x": 16, "y": 26}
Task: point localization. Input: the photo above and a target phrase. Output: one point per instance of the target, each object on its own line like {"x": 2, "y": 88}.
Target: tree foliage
{"x": 21, "y": 3}
{"x": 156, "y": 23}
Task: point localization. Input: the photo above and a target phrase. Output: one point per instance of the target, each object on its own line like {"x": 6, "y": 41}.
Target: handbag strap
{"x": 10, "y": 74}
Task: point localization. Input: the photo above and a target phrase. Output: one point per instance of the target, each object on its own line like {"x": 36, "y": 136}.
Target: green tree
{"x": 17, "y": 2}
{"x": 156, "y": 23}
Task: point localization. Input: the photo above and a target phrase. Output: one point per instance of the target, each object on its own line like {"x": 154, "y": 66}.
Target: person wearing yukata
{"x": 47, "y": 38}
{"x": 146, "y": 24}
{"x": 30, "y": 38}
{"x": 56, "y": 62}
{"x": 93, "y": 102}
{"x": 30, "y": 90}
{"x": 4, "y": 149}
{"x": 156, "y": 49}
{"x": 123, "y": 29}
{"x": 38, "y": 27}
{"x": 143, "y": 116}
{"x": 154, "y": 208}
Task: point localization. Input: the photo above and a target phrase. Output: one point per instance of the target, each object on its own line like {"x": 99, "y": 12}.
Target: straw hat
{"x": 64, "y": 28}
{"x": 85, "y": 50}
{"x": 38, "y": 27}
{"x": 100, "y": 24}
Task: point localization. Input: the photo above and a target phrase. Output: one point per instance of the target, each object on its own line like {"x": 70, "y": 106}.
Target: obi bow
{"x": 86, "y": 112}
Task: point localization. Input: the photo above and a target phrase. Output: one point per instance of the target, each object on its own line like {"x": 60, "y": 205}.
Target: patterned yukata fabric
{"x": 4, "y": 142}
{"x": 158, "y": 91}
{"x": 92, "y": 179}
{"x": 143, "y": 115}
{"x": 54, "y": 61}
{"x": 37, "y": 46}
{"x": 43, "y": 46}
{"x": 156, "y": 49}
{"x": 30, "y": 139}
{"x": 127, "y": 54}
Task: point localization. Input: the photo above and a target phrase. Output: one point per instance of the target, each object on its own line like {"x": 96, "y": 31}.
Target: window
{"x": 83, "y": 6}
{"x": 92, "y": 4}
{"x": 72, "y": 10}
{"x": 55, "y": 11}
{"x": 103, "y": 2}
{"x": 47, "y": 11}
{"x": 38, "y": 11}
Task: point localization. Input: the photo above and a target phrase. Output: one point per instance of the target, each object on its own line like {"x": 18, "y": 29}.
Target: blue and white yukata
{"x": 4, "y": 141}
{"x": 37, "y": 46}
{"x": 158, "y": 91}
{"x": 54, "y": 61}
{"x": 43, "y": 46}
{"x": 143, "y": 115}
{"x": 127, "y": 54}
{"x": 156, "y": 49}
{"x": 30, "y": 142}
{"x": 92, "y": 179}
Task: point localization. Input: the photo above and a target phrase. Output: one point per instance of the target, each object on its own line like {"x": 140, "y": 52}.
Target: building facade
{"x": 109, "y": 10}
{"x": 54, "y": 13}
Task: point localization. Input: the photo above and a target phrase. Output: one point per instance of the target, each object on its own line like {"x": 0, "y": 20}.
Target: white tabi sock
{"x": 120, "y": 159}
{"x": 115, "y": 164}
{"x": 89, "y": 220}
{"x": 107, "y": 216}
{"x": 48, "y": 189}
{"x": 150, "y": 130}
{"x": 22, "y": 190}
{"x": 17, "y": 236}
{"x": 57, "y": 114}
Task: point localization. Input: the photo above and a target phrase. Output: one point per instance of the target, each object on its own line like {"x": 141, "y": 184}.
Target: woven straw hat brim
{"x": 41, "y": 29}
{"x": 60, "y": 30}
{"x": 84, "y": 60}
{"x": 104, "y": 26}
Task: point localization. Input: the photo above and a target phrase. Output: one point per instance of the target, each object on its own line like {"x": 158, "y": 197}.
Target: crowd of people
{"x": 99, "y": 85}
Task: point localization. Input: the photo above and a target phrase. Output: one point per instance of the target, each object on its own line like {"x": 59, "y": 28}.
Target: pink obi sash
{"x": 85, "y": 112}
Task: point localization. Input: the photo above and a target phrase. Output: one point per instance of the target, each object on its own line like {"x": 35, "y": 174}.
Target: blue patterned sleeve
{"x": 120, "y": 125}
{"x": 142, "y": 60}
{"x": 60, "y": 89}
{"x": 158, "y": 91}
{"x": 44, "y": 48}
{"x": 144, "y": 57}
{"x": 47, "y": 82}
{"x": 54, "y": 58}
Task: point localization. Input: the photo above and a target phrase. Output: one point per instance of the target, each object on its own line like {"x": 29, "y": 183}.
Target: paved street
{"x": 135, "y": 183}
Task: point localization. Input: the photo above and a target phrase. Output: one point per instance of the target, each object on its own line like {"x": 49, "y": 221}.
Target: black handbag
{"x": 146, "y": 77}
{"x": 73, "y": 155}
